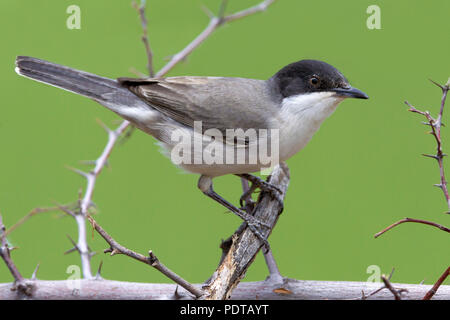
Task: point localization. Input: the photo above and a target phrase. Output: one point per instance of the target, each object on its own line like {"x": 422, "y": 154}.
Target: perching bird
{"x": 215, "y": 126}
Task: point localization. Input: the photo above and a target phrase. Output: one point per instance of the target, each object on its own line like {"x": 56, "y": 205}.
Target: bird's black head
{"x": 307, "y": 76}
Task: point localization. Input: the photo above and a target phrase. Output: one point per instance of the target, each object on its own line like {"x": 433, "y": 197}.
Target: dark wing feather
{"x": 221, "y": 103}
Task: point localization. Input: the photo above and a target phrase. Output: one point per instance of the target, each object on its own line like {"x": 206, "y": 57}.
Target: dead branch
{"x": 144, "y": 23}
{"x": 261, "y": 290}
{"x": 151, "y": 260}
{"x": 20, "y": 284}
{"x": 246, "y": 245}
{"x": 397, "y": 293}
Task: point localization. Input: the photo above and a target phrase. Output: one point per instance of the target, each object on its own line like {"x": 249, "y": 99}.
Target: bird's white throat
{"x": 301, "y": 116}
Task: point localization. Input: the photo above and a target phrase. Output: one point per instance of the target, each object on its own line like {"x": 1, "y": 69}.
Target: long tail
{"x": 106, "y": 91}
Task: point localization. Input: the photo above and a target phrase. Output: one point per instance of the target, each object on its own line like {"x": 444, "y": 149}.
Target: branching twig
{"x": 365, "y": 297}
{"x": 386, "y": 285}
{"x": 86, "y": 201}
{"x": 214, "y": 23}
{"x": 19, "y": 282}
{"x": 435, "y": 125}
{"x": 141, "y": 10}
{"x": 151, "y": 260}
{"x": 396, "y": 292}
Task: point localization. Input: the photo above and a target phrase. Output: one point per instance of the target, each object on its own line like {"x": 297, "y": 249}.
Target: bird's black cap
{"x": 308, "y": 76}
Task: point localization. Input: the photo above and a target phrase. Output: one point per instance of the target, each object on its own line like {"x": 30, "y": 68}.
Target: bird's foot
{"x": 264, "y": 186}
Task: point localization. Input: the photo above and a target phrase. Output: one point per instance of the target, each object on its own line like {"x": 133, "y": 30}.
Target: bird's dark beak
{"x": 350, "y": 93}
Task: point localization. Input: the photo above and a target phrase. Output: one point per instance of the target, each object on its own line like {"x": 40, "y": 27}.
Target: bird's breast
{"x": 300, "y": 117}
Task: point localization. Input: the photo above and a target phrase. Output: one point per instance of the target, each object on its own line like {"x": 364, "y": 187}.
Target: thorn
{"x": 422, "y": 282}
{"x": 363, "y": 295}
{"x": 176, "y": 295}
{"x": 81, "y": 173}
{"x": 71, "y": 250}
{"x": 33, "y": 276}
{"x": 75, "y": 247}
{"x": 410, "y": 105}
{"x": 99, "y": 271}
{"x": 430, "y": 156}
{"x": 390, "y": 274}
{"x": 439, "y": 185}
{"x": 437, "y": 84}
{"x": 208, "y": 12}
{"x": 222, "y": 9}
{"x": 104, "y": 126}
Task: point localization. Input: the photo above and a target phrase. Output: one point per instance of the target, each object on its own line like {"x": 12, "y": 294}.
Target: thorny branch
{"x": 141, "y": 10}
{"x": 435, "y": 124}
{"x": 396, "y": 292}
{"x": 86, "y": 201}
{"x": 151, "y": 259}
{"x": 214, "y": 23}
{"x": 5, "y": 252}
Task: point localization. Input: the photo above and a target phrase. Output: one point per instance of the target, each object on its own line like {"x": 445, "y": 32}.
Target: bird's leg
{"x": 205, "y": 185}
{"x": 246, "y": 200}
{"x": 274, "y": 273}
{"x": 257, "y": 182}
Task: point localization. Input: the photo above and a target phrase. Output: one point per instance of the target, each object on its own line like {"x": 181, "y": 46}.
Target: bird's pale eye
{"x": 314, "y": 81}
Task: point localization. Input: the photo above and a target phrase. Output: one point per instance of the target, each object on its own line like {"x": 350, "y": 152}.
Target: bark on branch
{"x": 262, "y": 290}
{"x": 246, "y": 244}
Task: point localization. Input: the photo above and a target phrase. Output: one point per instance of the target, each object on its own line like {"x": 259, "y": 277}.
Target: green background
{"x": 361, "y": 172}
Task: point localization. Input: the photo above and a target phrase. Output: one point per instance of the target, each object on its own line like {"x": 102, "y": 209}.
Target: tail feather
{"x": 105, "y": 91}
